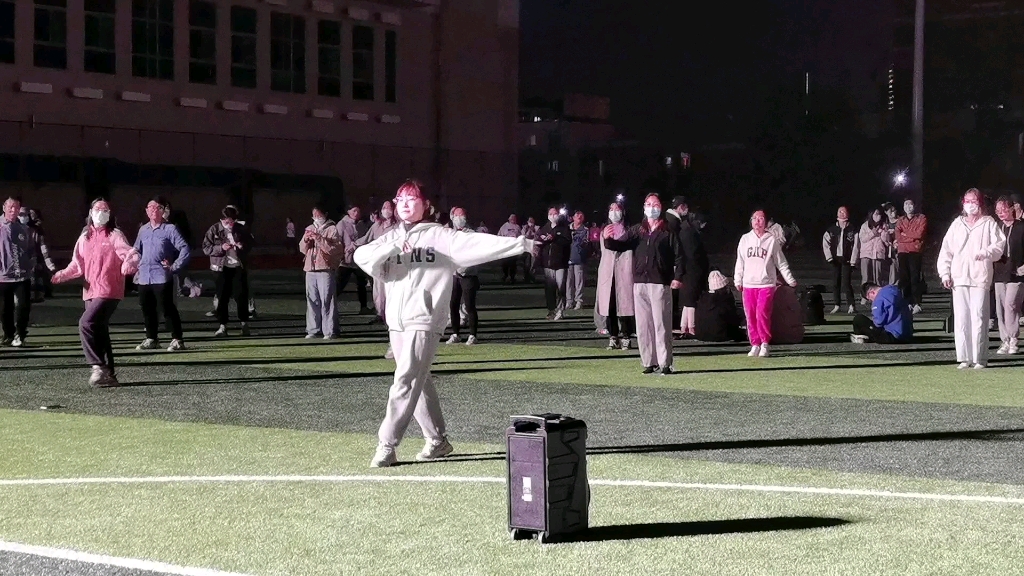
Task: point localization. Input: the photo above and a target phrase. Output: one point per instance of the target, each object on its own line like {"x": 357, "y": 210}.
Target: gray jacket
{"x": 17, "y": 251}
{"x": 349, "y": 235}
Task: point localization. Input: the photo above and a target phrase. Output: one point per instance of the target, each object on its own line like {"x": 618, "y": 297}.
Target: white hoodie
{"x": 962, "y": 244}
{"x": 757, "y": 260}
{"x": 418, "y": 284}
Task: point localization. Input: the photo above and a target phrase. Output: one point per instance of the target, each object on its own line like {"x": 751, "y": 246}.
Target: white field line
{"x": 498, "y": 480}
{"x": 130, "y": 563}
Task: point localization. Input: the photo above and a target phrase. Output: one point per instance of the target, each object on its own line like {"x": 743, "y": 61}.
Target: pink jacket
{"x": 104, "y": 259}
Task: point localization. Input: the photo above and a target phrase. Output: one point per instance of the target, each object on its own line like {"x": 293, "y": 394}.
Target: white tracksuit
{"x": 418, "y": 287}
{"x": 972, "y": 279}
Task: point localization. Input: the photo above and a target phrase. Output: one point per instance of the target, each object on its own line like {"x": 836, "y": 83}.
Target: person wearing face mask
{"x": 874, "y": 245}
{"x": 466, "y": 284}
{"x": 510, "y": 229}
{"x": 615, "y": 285}
{"x": 321, "y": 250}
{"x": 17, "y": 261}
{"x": 102, "y": 257}
{"x": 556, "y": 245}
{"x": 841, "y": 244}
{"x": 971, "y": 244}
{"x": 891, "y": 270}
{"x": 576, "y": 275}
{"x": 910, "y": 234}
{"x": 759, "y": 262}
{"x": 348, "y": 229}
{"x": 228, "y": 243}
{"x": 42, "y": 265}
{"x": 658, "y": 264}
{"x": 695, "y": 271}
{"x": 163, "y": 252}
{"x": 417, "y": 263}
{"x": 1008, "y": 275}
{"x": 530, "y": 231}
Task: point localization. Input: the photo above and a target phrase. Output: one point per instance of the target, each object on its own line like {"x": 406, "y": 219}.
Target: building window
{"x": 51, "y": 46}
{"x": 533, "y": 139}
{"x": 243, "y": 47}
{"x": 202, "y": 42}
{"x": 287, "y": 53}
{"x": 153, "y": 39}
{"x": 390, "y": 65}
{"x": 329, "y": 58}
{"x": 100, "y": 55}
{"x": 362, "y": 63}
{"x": 7, "y": 31}
{"x": 553, "y": 166}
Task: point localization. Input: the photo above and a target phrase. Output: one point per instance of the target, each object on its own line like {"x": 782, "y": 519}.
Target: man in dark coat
{"x": 695, "y": 273}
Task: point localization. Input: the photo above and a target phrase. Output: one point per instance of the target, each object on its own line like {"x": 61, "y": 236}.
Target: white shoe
{"x": 851, "y": 309}
{"x": 613, "y": 344}
{"x": 211, "y": 313}
{"x": 578, "y": 306}
{"x": 384, "y": 456}
{"x": 311, "y": 336}
{"x": 1011, "y": 349}
{"x": 98, "y": 372}
{"x": 471, "y": 340}
{"x": 390, "y": 354}
{"x": 148, "y": 344}
{"x": 917, "y": 309}
{"x": 835, "y": 310}
{"x": 963, "y": 366}
{"x": 17, "y": 342}
{"x": 978, "y": 367}
{"x": 858, "y": 338}
{"x": 558, "y": 316}
{"x": 1004, "y": 349}
{"x": 764, "y": 351}
{"x": 176, "y": 345}
{"x": 435, "y": 449}
{"x": 624, "y": 343}
{"x": 754, "y": 351}
{"x": 454, "y": 339}
{"x": 221, "y": 332}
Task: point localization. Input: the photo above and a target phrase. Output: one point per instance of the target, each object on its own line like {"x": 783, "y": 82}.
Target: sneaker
{"x": 916, "y": 309}
{"x": 102, "y": 377}
{"x": 963, "y": 366}
{"x": 389, "y": 354}
{"x": 98, "y": 372}
{"x": 558, "y": 316}
{"x": 17, "y": 342}
{"x": 384, "y": 456}
{"x": 311, "y": 336}
{"x": 578, "y": 306}
{"x": 1004, "y": 349}
{"x": 991, "y": 324}
{"x": 330, "y": 336}
{"x": 835, "y": 310}
{"x": 624, "y": 343}
{"x": 650, "y": 370}
{"x": 211, "y": 313}
{"x": 550, "y": 316}
{"x": 667, "y": 371}
{"x": 176, "y": 345}
{"x": 148, "y": 344}
{"x": 851, "y": 309}
{"x": 603, "y": 332}
{"x": 244, "y": 330}
{"x": 1011, "y": 348}
{"x": 613, "y": 344}
{"x": 454, "y": 339}
{"x": 221, "y": 332}
{"x": 764, "y": 351}
{"x": 858, "y": 338}
{"x": 435, "y": 449}
{"x": 754, "y": 351}
{"x": 471, "y": 340}
{"x": 978, "y": 367}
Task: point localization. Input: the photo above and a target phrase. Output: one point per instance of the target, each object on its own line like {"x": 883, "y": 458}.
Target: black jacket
{"x": 554, "y": 254}
{"x": 695, "y": 267}
{"x": 848, "y": 236}
{"x": 1005, "y": 269}
{"x": 716, "y": 318}
{"x": 657, "y": 257}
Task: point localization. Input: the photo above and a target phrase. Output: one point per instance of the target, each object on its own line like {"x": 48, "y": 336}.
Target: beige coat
{"x": 326, "y": 252}
{"x": 617, "y": 267}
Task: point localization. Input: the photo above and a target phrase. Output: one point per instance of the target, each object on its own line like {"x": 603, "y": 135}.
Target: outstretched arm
{"x": 75, "y": 267}
{"x": 467, "y": 250}
{"x": 372, "y": 257}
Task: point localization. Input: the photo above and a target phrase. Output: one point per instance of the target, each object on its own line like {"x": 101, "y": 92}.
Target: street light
{"x": 899, "y": 179}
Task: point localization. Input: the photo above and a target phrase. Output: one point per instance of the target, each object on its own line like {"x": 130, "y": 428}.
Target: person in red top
{"x": 103, "y": 257}
{"x": 910, "y": 233}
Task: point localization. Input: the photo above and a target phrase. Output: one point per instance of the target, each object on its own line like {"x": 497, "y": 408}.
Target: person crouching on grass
{"x": 417, "y": 262}
{"x": 103, "y": 256}
{"x": 891, "y": 321}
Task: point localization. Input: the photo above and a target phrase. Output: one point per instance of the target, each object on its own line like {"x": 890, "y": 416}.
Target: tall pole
{"x": 917, "y": 132}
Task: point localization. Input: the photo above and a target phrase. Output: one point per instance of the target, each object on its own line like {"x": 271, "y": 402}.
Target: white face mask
{"x": 553, "y": 219}
{"x": 318, "y": 222}
{"x": 459, "y": 221}
{"x": 971, "y": 209}
{"x": 652, "y": 212}
{"x": 23, "y": 219}
{"x": 100, "y": 217}
{"x": 386, "y": 213}
{"x": 615, "y": 216}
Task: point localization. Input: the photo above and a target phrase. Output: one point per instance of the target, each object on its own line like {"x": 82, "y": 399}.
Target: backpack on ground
{"x": 812, "y": 304}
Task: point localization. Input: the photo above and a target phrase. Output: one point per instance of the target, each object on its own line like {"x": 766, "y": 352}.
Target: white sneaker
{"x": 1011, "y": 349}
{"x": 835, "y": 310}
{"x": 917, "y": 309}
{"x": 17, "y": 342}
{"x": 558, "y": 316}
{"x": 435, "y": 449}
{"x": 851, "y": 309}
{"x": 578, "y": 306}
{"x": 98, "y": 372}
{"x": 221, "y": 332}
{"x": 1004, "y": 349}
{"x": 454, "y": 339}
{"x": 613, "y": 344}
{"x": 384, "y": 456}
{"x": 858, "y": 338}
{"x": 979, "y": 366}
{"x": 311, "y": 336}
{"x": 624, "y": 343}
{"x": 471, "y": 340}
{"x": 963, "y": 366}
{"x": 176, "y": 345}
{"x": 211, "y": 313}
{"x": 764, "y": 351}
{"x": 754, "y": 351}
{"x": 148, "y": 344}
{"x": 390, "y": 354}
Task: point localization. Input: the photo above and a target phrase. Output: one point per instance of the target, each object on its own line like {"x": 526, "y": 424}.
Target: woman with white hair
{"x": 973, "y": 242}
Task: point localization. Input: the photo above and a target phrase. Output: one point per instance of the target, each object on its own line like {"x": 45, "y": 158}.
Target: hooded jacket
{"x": 325, "y": 253}
{"x": 418, "y": 284}
{"x": 962, "y": 245}
{"x": 17, "y": 251}
{"x": 103, "y": 257}
{"x": 759, "y": 261}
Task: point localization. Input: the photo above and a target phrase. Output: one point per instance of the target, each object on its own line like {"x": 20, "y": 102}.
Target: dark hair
{"x": 865, "y": 287}
{"x": 111, "y": 224}
{"x": 871, "y": 218}
{"x": 229, "y": 212}
{"x": 161, "y": 201}
{"x": 319, "y": 208}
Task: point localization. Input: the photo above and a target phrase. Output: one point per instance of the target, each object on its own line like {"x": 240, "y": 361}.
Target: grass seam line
{"x": 100, "y": 559}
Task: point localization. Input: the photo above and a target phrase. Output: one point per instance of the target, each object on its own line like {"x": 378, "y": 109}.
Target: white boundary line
{"x": 130, "y": 563}
{"x": 498, "y": 480}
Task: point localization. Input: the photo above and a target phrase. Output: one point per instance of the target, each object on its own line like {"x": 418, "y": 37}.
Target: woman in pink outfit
{"x": 759, "y": 260}
{"x": 103, "y": 257}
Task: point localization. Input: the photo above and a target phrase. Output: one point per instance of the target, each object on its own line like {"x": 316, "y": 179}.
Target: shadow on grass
{"x": 702, "y": 528}
{"x": 324, "y": 377}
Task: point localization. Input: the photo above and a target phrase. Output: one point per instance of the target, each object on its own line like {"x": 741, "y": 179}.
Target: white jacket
{"x": 759, "y": 261}
{"x": 963, "y": 244}
{"x": 418, "y": 284}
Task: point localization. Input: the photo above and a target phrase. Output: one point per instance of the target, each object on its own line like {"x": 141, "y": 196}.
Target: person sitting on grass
{"x": 716, "y": 318}
{"x": 891, "y": 321}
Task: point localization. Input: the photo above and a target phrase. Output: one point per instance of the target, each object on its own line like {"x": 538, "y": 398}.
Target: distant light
{"x": 620, "y": 197}
{"x": 536, "y": 118}
{"x": 563, "y": 211}
{"x": 900, "y": 178}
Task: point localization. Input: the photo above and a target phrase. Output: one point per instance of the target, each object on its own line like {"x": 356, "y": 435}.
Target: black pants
{"x": 508, "y": 268}
{"x": 94, "y": 330}
{"x": 842, "y": 281}
{"x": 465, "y": 289}
{"x": 865, "y": 326}
{"x": 911, "y": 280}
{"x": 233, "y": 283}
{"x": 344, "y": 274}
{"x": 159, "y": 296}
{"x": 17, "y": 305}
{"x": 618, "y": 326}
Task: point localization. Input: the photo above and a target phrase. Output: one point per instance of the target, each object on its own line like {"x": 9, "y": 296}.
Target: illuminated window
{"x": 553, "y": 166}
{"x": 362, "y": 63}
{"x": 51, "y": 23}
{"x": 202, "y": 42}
{"x": 153, "y": 39}
{"x": 287, "y": 53}
{"x": 243, "y": 47}
{"x": 329, "y": 58}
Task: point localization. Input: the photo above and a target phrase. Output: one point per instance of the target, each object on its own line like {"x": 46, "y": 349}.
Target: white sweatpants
{"x": 412, "y": 394}
{"x": 970, "y": 324}
{"x": 653, "y": 306}
{"x": 1009, "y": 296}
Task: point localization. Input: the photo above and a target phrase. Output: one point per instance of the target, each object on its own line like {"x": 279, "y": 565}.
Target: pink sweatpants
{"x": 757, "y": 305}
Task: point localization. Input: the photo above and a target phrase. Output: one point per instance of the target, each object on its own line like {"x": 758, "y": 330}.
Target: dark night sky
{"x": 677, "y": 71}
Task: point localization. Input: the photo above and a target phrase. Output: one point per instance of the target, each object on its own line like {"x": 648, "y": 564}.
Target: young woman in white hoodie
{"x": 973, "y": 242}
{"x": 759, "y": 261}
{"x": 417, "y": 262}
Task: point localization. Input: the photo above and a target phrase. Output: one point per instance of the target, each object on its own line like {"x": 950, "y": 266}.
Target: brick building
{"x": 271, "y": 104}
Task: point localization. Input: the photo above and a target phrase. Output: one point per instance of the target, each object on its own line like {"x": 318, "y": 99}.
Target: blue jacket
{"x": 580, "y": 245}
{"x": 17, "y": 251}
{"x": 155, "y": 245}
{"x": 892, "y": 313}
